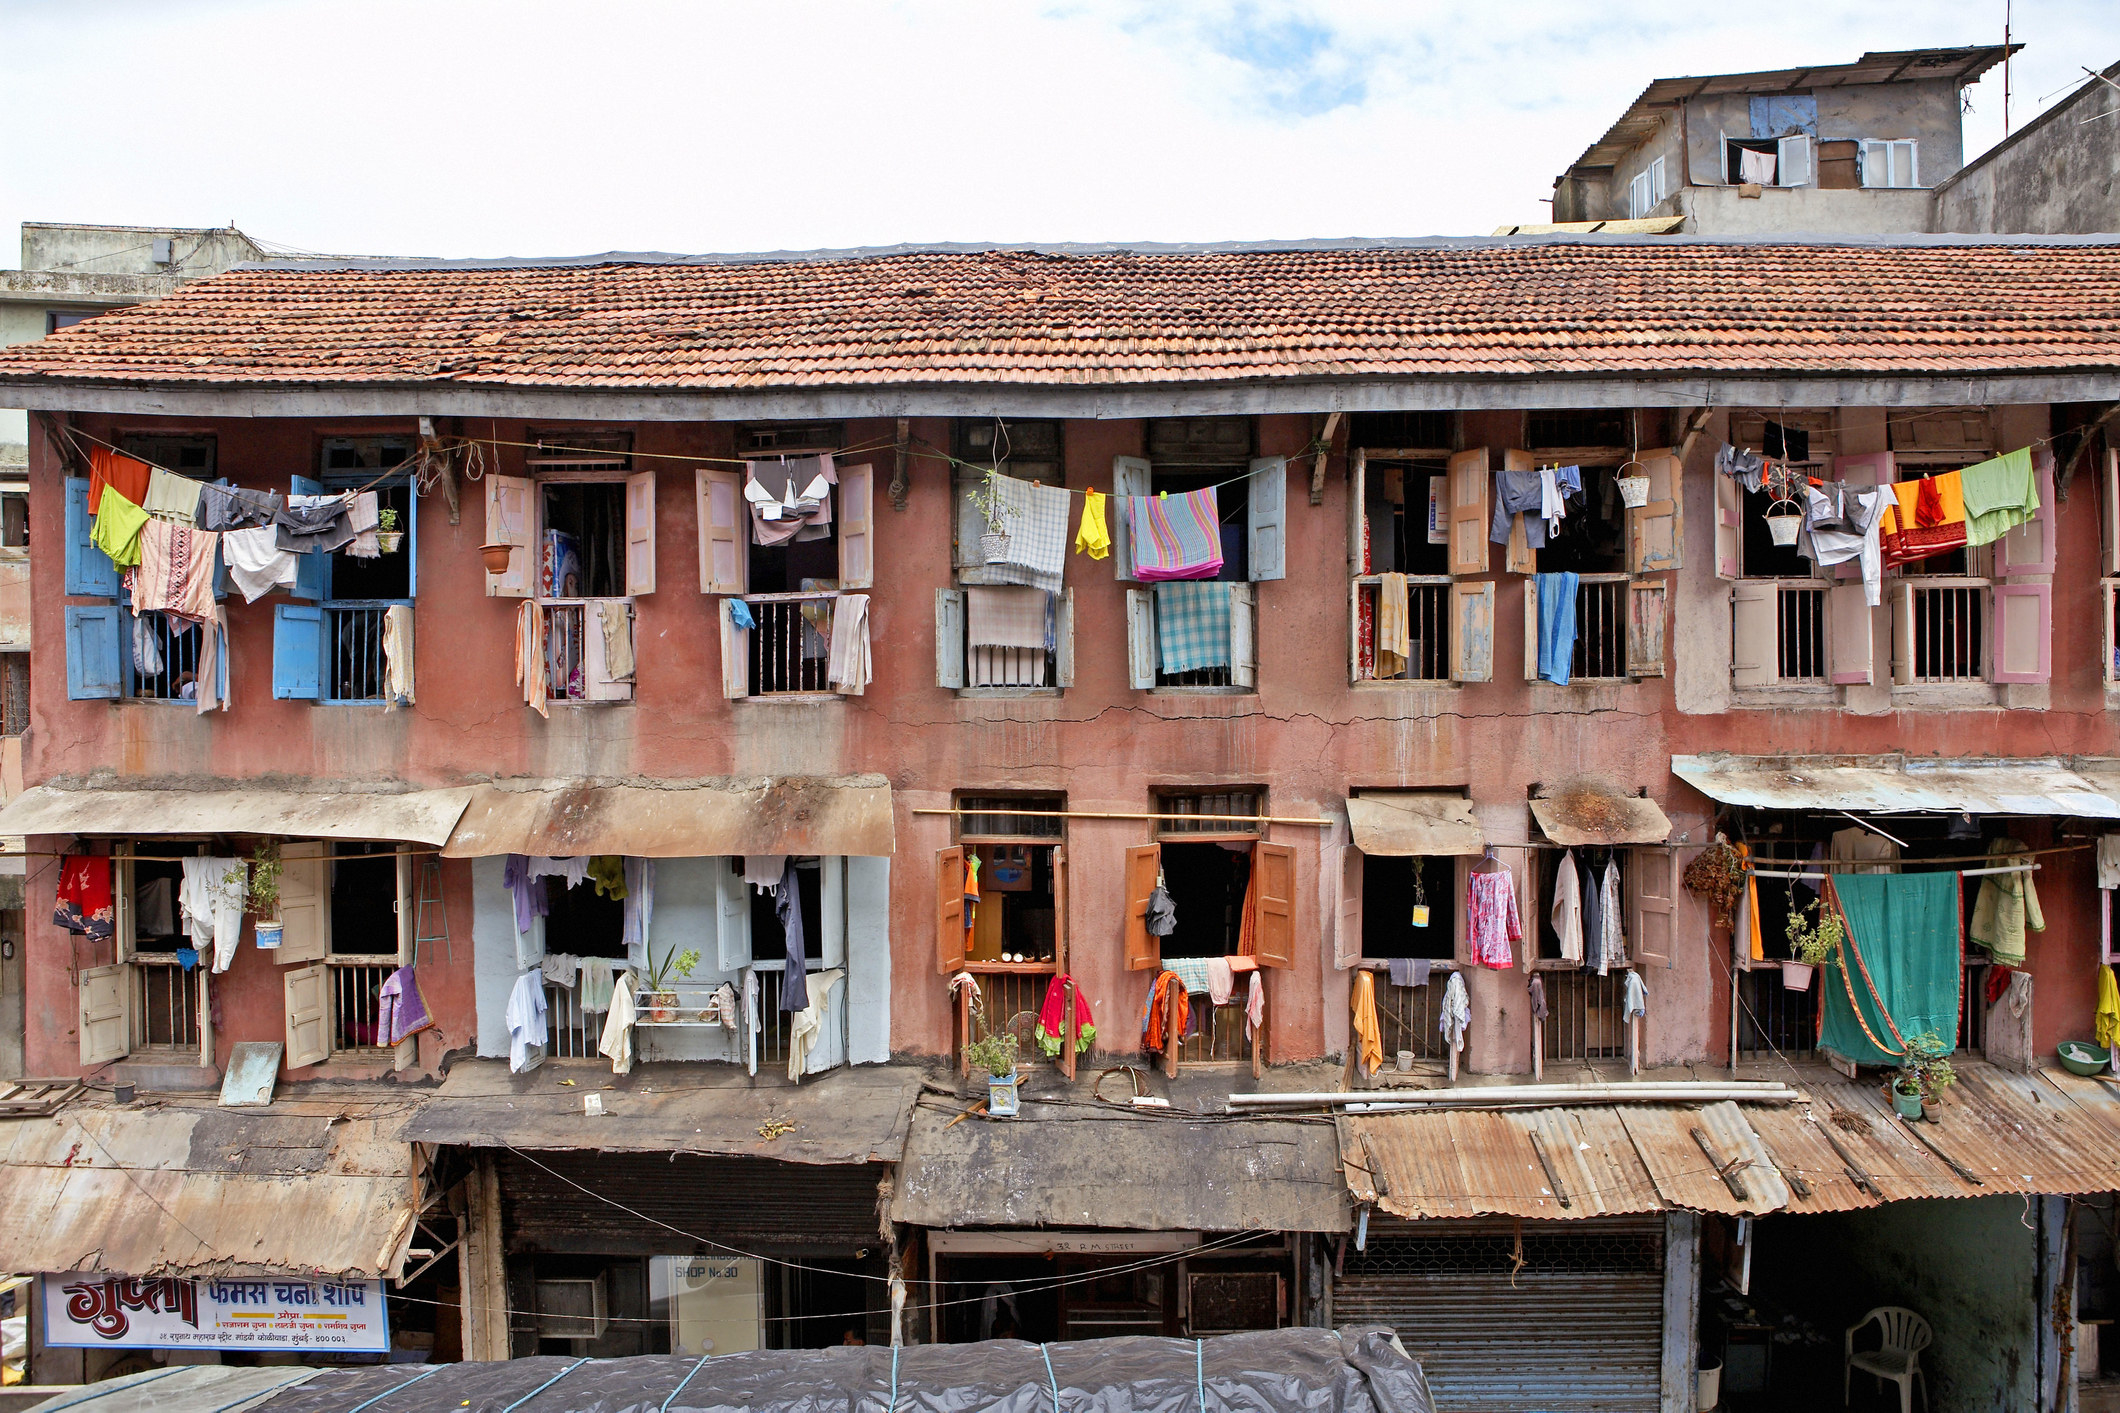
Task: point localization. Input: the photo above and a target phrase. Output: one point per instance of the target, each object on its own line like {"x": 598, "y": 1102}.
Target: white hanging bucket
{"x": 1784, "y": 519}
{"x": 1633, "y": 491}
{"x": 993, "y": 546}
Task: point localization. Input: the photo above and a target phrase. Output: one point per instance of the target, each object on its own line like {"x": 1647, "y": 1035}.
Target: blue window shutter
{"x": 89, "y": 572}
{"x": 94, "y": 664}
{"x": 309, "y": 568}
{"x": 412, "y": 537}
{"x": 297, "y": 651}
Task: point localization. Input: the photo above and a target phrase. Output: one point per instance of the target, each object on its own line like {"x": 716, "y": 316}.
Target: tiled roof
{"x": 1113, "y": 318}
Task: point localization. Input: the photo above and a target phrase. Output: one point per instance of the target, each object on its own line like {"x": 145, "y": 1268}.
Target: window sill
{"x": 1408, "y": 684}
{"x": 1434, "y": 965}
{"x": 1203, "y": 691}
{"x": 1953, "y": 696}
{"x": 991, "y": 693}
{"x": 781, "y": 698}
{"x": 1807, "y": 695}
{"x": 1559, "y": 965}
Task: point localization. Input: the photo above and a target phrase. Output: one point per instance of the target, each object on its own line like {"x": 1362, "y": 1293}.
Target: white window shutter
{"x": 735, "y": 656}
{"x": 1355, "y": 665}
{"x": 724, "y": 539}
{"x": 1470, "y": 511}
{"x": 2024, "y": 637}
{"x": 857, "y": 527}
{"x": 1266, "y": 516}
{"x": 832, "y": 904}
{"x": 1729, "y": 527}
{"x": 1755, "y": 635}
{"x": 511, "y": 519}
{"x": 1347, "y": 929}
{"x": 1531, "y": 630}
{"x": 305, "y": 902}
{"x": 640, "y": 533}
{"x": 1851, "y": 650}
{"x": 1902, "y": 633}
{"x": 949, "y": 638}
{"x": 1472, "y": 631}
{"x": 308, "y": 995}
{"x": 106, "y": 1014}
{"x": 1064, "y": 640}
{"x": 1357, "y": 512}
{"x": 1792, "y": 166}
{"x": 1130, "y": 477}
{"x": 1243, "y": 636}
{"x": 1647, "y": 601}
{"x": 1140, "y": 639}
{"x": 732, "y": 915}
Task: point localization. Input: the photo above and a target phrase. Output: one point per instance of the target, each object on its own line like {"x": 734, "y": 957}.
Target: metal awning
{"x": 1639, "y": 822}
{"x": 1895, "y": 784}
{"x": 315, "y": 1185}
{"x": 785, "y": 815}
{"x": 1487, "y": 1163}
{"x": 854, "y": 1115}
{"x": 1400, "y": 822}
{"x": 413, "y": 816}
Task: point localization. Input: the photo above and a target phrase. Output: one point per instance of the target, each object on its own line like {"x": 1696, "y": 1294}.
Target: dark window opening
{"x": 835, "y": 1289}
{"x": 1734, "y": 157}
{"x": 582, "y": 553}
{"x": 1408, "y": 509}
{"x": 57, "y": 319}
{"x": 1207, "y": 883}
{"x": 1029, "y": 451}
{"x": 583, "y": 922}
{"x": 387, "y": 576}
{"x": 1575, "y": 430}
{"x": 995, "y": 817}
{"x": 1391, "y": 889}
{"x": 364, "y": 899}
{"x": 1593, "y": 537}
{"x": 163, "y": 653}
{"x": 562, "y": 1302}
{"x": 769, "y": 940}
{"x": 14, "y": 694}
{"x": 1043, "y": 1299}
{"x": 14, "y": 520}
{"x": 1401, "y": 431}
{"x": 1763, "y": 559}
{"x": 157, "y": 922}
{"x": 1590, "y": 864}
{"x": 797, "y": 565}
{"x": 789, "y": 438}
{"x": 1015, "y": 920}
{"x": 194, "y": 456}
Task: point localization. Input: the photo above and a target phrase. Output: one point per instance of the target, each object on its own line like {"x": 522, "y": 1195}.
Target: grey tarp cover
{"x": 1276, "y": 1371}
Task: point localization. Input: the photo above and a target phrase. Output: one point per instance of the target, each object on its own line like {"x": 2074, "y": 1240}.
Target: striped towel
{"x": 1192, "y": 626}
{"x": 1175, "y": 537}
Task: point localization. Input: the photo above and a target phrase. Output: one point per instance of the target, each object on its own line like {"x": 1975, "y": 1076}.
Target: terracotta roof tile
{"x": 1114, "y": 318}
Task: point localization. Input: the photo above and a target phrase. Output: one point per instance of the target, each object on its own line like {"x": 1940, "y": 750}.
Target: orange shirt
{"x": 109, "y": 468}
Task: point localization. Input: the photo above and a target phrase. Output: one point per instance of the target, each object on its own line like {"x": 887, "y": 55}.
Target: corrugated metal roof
{"x": 1640, "y": 822}
{"x": 785, "y": 815}
{"x": 1475, "y": 1163}
{"x": 315, "y": 1185}
{"x": 415, "y": 816}
{"x": 1896, "y": 783}
{"x": 1405, "y": 822}
{"x": 1663, "y": 1136}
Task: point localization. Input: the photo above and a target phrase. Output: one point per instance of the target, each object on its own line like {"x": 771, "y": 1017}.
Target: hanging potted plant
{"x": 1716, "y": 875}
{"x": 659, "y": 1000}
{"x": 995, "y": 1056}
{"x": 1815, "y": 934}
{"x": 1420, "y": 895}
{"x": 388, "y": 535}
{"x": 986, "y": 497}
{"x": 263, "y": 895}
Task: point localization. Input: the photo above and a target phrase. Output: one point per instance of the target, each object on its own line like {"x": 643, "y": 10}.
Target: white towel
{"x": 805, "y": 1025}
{"x": 526, "y": 1020}
{"x": 762, "y": 871}
{"x": 256, "y": 563}
{"x": 1221, "y": 981}
{"x": 560, "y": 968}
{"x": 617, "y": 1041}
{"x": 1637, "y": 1001}
{"x": 212, "y": 901}
{"x": 2109, "y": 861}
{"x": 849, "y": 668}
{"x": 599, "y": 976}
{"x": 1457, "y": 1013}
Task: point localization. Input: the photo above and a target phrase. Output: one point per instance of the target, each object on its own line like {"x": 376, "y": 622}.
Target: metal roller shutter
{"x": 749, "y": 1203}
{"x": 1512, "y": 1316}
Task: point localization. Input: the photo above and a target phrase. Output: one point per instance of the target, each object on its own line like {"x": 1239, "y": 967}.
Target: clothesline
{"x": 1847, "y": 866}
{"x": 75, "y": 432}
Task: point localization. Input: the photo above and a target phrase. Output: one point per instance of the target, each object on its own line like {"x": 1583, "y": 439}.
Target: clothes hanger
{"x": 1488, "y": 864}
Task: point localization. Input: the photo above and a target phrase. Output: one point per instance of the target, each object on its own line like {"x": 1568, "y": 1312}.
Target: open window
{"x": 1768, "y": 161}
{"x": 992, "y": 634}
{"x": 1646, "y": 190}
{"x": 1212, "y": 856}
{"x": 348, "y": 638}
{"x": 1201, "y": 634}
{"x": 1012, "y": 938}
{"x": 148, "y": 1003}
{"x": 754, "y": 951}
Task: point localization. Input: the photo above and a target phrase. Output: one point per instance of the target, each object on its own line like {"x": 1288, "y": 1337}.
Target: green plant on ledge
{"x": 264, "y": 894}
{"x": 674, "y": 966}
{"x": 993, "y": 1055}
{"x": 1926, "y": 1067}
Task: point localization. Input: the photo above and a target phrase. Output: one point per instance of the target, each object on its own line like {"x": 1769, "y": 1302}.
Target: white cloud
{"x": 461, "y": 127}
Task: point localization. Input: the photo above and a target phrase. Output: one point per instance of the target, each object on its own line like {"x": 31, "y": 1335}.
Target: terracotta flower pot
{"x": 496, "y": 557}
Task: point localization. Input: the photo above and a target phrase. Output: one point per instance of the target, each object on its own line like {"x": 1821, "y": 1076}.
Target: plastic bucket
{"x": 1707, "y": 1388}
{"x": 1405, "y": 1061}
{"x": 1001, "y": 1096}
{"x": 1420, "y": 914}
{"x": 1633, "y": 491}
{"x": 268, "y": 936}
{"x": 993, "y": 546}
{"x": 1783, "y": 528}
{"x": 1907, "y": 1106}
{"x": 1796, "y": 976}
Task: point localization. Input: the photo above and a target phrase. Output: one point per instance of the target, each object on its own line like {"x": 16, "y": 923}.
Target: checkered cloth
{"x": 1006, "y": 618}
{"x": 1192, "y": 625}
{"x": 1035, "y": 518}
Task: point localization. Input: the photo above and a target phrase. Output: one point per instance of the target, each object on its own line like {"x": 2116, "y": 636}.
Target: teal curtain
{"x": 1903, "y": 930}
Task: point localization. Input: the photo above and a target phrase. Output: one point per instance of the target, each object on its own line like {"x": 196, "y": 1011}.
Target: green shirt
{"x": 2000, "y": 495}
{"x": 117, "y": 529}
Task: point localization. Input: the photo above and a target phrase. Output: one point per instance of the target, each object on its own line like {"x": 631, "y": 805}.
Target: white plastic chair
{"x": 1906, "y": 1334}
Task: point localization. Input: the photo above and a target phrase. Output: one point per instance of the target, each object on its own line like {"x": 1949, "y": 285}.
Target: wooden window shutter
{"x": 1276, "y": 930}
{"x": 95, "y": 652}
{"x": 89, "y": 572}
{"x": 1851, "y": 649}
{"x": 1243, "y": 636}
{"x": 2106, "y": 621}
{"x": 1060, "y": 908}
{"x": 2111, "y": 516}
{"x": 1357, "y": 512}
{"x": 1130, "y": 477}
{"x": 305, "y": 902}
{"x": 949, "y": 638}
{"x": 308, "y": 993}
{"x": 1472, "y": 635}
{"x": 1347, "y": 928}
{"x": 1729, "y": 527}
{"x": 735, "y": 656}
{"x": 1140, "y": 639}
{"x": 297, "y": 652}
{"x": 511, "y": 519}
{"x": 2029, "y": 548}
{"x": 1755, "y": 633}
{"x": 1647, "y": 604}
{"x": 732, "y": 915}
{"x": 598, "y": 685}
{"x": 724, "y": 540}
{"x": 949, "y": 910}
{"x": 2024, "y": 635}
{"x": 1656, "y": 538}
{"x": 640, "y": 533}
{"x": 1471, "y": 511}
{"x": 1531, "y": 630}
{"x": 1064, "y": 640}
{"x": 1144, "y": 950}
{"x": 857, "y": 527}
{"x": 1650, "y": 872}
{"x": 1266, "y": 518}
{"x": 1518, "y": 557}
{"x": 106, "y": 1014}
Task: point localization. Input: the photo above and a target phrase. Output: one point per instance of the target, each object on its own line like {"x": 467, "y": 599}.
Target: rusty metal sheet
{"x": 1663, "y": 1136}
{"x": 1472, "y": 1162}
{"x": 784, "y": 815}
{"x": 1641, "y": 822}
{"x": 412, "y": 816}
{"x": 1892, "y": 783}
{"x": 854, "y": 1115}
{"x": 1410, "y": 822}
{"x": 188, "y": 1186}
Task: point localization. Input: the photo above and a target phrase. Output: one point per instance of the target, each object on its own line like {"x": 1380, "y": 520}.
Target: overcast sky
{"x": 448, "y": 127}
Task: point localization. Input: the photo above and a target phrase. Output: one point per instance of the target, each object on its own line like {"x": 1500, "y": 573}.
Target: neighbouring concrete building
{"x": 2059, "y": 174}
{"x": 728, "y": 634}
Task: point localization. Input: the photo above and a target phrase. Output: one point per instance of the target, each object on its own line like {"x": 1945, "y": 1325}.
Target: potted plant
{"x": 986, "y": 497}
{"x": 1815, "y": 934}
{"x": 387, "y": 533}
{"x": 658, "y": 998}
{"x": 995, "y": 1056}
{"x": 496, "y": 557}
{"x": 263, "y": 895}
{"x": 1716, "y": 875}
{"x": 1928, "y": 1062}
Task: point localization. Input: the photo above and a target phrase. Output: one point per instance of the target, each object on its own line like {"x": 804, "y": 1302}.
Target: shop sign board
{"x": 185, "y": 1312}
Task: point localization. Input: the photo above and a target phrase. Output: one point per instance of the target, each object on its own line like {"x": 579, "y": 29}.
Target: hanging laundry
{"x": 117, "y": 528}
{"x": 85, "y": 904}
{"x": 616, "y": 1042}
{"x": 2007, "y": 905}
{"x": 1747, "y": 468}
{"x": 401, "y": 1011}
{"x": 526, "y": 1020}
{"x": 1034, "y": 518}
{"x": 807, "y": 1024}
{"x": 128, "y": 476}
{"x": 639, "y": 912}
{"x": 1900, "y": 977}
{"x": 2105, "y": 1024}
{"x": 1192, "y": 971}
{"x": 1155, "y": 1016}
{"x": 365, "y": 519}
{"x": 762, "y": 871}
{"x": 147, "y": 633}
{"x": 850, "y": 666}
{"x": 1011, "y": 617}
{"x": 1174, "y": 536}
{"x": 1786, "y": 443}
{"x": 1094, "y": 537}
{"x": 175, "y": 572}
{"x": 740, "y": 615}
{"x": 561, "y": 968}
{"x": 172, "y": 497}
{"x": 1856, "y": 844}
{"x": 1410, "y": 971}
{"x": 790, "y": 499}
{"x": 1456, "y": 1015}
{"x": 397, "y": 655}
{"x": 1394, "y": 631}
{"x": 615, "y": 623}
{"x": 599, "y": 975}
{"x": 971, "y": 889}
{"x": 2109, "y": 861}
{"x": 1612, "y": 937}
{"x": 1255, "y": 1005}
{"x": 2000, "y": 495}
{"x": 787, "y": 906}
{"x": 1556, "y": 626}
{"x": 1221, "y": 981}
{"x": 1518, "y": 493}
{"x": 226, "y": 507}
{"x": 1491, "y": 921}
{"x": 1162, "y": 912}
{"x": 308, "y": 524}
{"x": 1536, "y": 994}
{"x": 210, "y": 686}
{"x": 527, "y": 889}
{"x": 1924, "y": 517}
{"x": 1756, "y": 167}
{"x": 1567, "y": 911}
{"x": 212, "y": 900}
{"x": 1369, "y": 1035}
{"x": 1192, "y": 626}
{"x": 1746, "y": 935}
{"x": 573, "y": 871}
{"x": 256, "y": 563}
{"x": 1636, "y": 1002}
{"x": 1052, "y": 1018}
{"x": 1557, "y": 486}
{"x": 1847, "y": 524}
{"x": 608, "y": 873}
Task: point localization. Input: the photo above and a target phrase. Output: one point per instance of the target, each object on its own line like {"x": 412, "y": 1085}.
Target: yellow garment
{"x": 1748, "y": 909}
{"x": 1094, "y": 538}
{"x": 1394, "y": 634}
{"x": 608, "y": 873}
{"x": 2007, "y": 905}
{"x": 1366, "y": 1029}
{"x": 1899, "y": 513}
{"x": 117, "y": 528}
{"x": 2105, "y": 1026}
